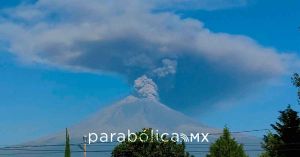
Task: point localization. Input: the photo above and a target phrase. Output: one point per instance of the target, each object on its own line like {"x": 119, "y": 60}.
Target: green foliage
{"x": 296, "y": 83}
{"x": 151, "y": 147}
{"x": 271, "y": 145}
{"x": 67, "y": 146}
{"x": 226, "y": 146}
{"x": 285, "y": 142}
{"x": 265, "y": 154}
{"x": 286, "y": 139}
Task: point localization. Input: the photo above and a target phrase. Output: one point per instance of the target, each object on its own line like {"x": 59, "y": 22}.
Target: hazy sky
{"x": 221, "y": 61}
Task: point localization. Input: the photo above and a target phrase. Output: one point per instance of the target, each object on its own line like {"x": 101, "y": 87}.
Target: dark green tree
{"x": 296, "y": 83}
{"x": 270, "y": 145}
{"x": 67, "y": 146}
{"x": 285, "y": 142}
{"x": 151, "y": 147}
{"x": 226, "y": 146}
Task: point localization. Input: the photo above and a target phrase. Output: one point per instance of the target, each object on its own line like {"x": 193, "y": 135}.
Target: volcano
{"x": 132, "y": 113}
{"x": 140, "y": 110}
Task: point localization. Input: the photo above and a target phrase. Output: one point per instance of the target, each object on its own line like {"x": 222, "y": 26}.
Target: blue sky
{"x": 34, "y": 100}
{"x": 35, "y": 95}
{"x": 271, "y": 23}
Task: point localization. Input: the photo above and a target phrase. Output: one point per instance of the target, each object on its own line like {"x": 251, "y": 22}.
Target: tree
{"x": 296, "y": 83}
{"x": 271, "y": 145}
{"x": 285, "y": 142}
{"x": 226, "y": 146}
{"x": 67, "y": 146}
{"x": 150, "y": 147}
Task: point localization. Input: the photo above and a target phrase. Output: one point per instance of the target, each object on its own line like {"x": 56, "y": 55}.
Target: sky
{"x": 222, "y": 62}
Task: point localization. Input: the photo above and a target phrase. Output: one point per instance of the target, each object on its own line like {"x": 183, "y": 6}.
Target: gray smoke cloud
{"x": 190, "y": 64}
{"x": 146, "y": 88}
{"x": 169, "y": 67}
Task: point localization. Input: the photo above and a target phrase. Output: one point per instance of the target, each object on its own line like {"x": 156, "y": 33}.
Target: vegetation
{"x": 285, "y": 142}
{"x": 296, "y": 83}
{"x": 271, "y": 145}
{"x": 151, "y": 147}
{"x": 226, "y": 146}
{"x": 286, "y": 139}
{"x": 67, "y": 146}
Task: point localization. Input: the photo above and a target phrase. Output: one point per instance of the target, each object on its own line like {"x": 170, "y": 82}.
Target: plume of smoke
{"x": 169, "y": 67}
{"x": 189, "y": 63}
{"x": 146, "y": 88}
